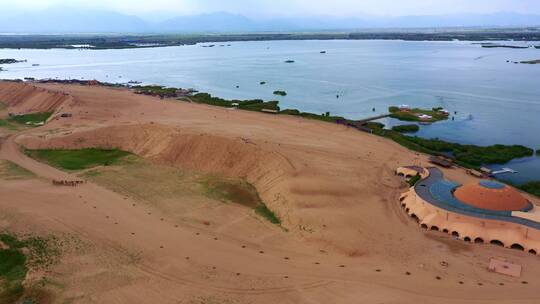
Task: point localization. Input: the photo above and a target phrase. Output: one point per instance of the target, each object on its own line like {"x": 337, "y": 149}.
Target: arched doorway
{"x": 455, "y": 234}
{"x": 424, "y": 226}
{"x": 497, "y": 243}
{"x": 467, "y": 239}
{"x": 434, "y": 228}
{"x": 532, "y": 251}
{"x": 517, "y": 247}
{"x": 445, "y": 230}
{"x": 415, "y": 217}
{"x": 478, "y": 240}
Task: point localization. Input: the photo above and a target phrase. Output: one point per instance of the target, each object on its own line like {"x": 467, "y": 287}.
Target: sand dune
{"x": 332, "y": 186}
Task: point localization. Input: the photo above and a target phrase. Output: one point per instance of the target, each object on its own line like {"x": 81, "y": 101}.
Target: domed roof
{"x": 491, "y": 195}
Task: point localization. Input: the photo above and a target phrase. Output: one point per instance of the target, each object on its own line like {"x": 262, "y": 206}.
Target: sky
{"x": 277, "y": 8}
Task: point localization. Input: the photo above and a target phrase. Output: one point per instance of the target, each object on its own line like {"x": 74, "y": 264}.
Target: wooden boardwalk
{"x": 363, "y": 121}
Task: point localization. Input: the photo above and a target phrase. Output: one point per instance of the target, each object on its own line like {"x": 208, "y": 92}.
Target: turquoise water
{"x": 495, "y": 101}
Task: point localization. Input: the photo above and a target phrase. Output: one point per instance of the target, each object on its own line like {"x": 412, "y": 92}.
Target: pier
{"x": 362, "y": 122}
{"x": 504, "y": 171}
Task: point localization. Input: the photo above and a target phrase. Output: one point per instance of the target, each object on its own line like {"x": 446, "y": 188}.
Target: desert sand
{"x": 343, "y": 238}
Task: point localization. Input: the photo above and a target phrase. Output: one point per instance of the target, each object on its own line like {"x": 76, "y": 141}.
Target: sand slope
{"x": 332, "y": 186}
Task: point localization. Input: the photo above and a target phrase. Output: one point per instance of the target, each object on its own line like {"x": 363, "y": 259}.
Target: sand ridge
{"x": 333, "y": 187}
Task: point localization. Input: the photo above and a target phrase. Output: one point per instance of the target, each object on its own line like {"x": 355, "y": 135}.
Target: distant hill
{"x": 67, "y": 20}
{"x": 216, "y": 22}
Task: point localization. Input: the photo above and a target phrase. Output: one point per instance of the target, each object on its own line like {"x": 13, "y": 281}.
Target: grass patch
{"x": 12, "y": 171}
{"x": 78, "y": 159}
{"x": 165, "y": 187}
{"x": 18, "y": 257}
{"x": 31, "y": 119}
{"x": 263, "y": 211}
{"x": 406, "y": 128}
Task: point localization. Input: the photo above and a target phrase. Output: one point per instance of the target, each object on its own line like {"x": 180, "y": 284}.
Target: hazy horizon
{"x": 161, "y": 9}
{"x": 137, "y": 16}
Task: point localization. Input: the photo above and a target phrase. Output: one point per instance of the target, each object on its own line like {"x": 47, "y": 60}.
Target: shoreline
{"x": 412, "y": 143}
{"x": 152, "y": 40}
{"x": 429, "y": 146}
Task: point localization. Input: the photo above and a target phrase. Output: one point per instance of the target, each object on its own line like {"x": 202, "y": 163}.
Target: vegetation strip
{"x": 532, "y": 188}
{"x": 101, "y": 42}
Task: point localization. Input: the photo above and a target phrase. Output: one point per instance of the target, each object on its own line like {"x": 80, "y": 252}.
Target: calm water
{"x": 495, "y": 101}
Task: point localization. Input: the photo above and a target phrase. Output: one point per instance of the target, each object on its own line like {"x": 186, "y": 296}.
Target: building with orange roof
{"x": 481, "y": 212}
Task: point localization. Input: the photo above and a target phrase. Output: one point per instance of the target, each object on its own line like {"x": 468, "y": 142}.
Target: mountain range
{"x": 69, "y": 20}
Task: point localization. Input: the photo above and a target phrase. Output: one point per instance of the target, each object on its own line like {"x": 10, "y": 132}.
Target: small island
{"x": 494, "y": 45}
{"x": 289, "y": 61}
{"x": 262, "y": 83}
{"x": 280, "y": 93}
{"x": 10, "y": 61}
{"x": 406, "y": 113}
{"x": 531, "y": 62}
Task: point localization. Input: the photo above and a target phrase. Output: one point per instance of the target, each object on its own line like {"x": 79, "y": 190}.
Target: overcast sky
{"x": 272, "y": 8}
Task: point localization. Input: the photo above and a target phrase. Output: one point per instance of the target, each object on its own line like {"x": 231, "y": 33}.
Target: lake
{"x": 496, "y": 101}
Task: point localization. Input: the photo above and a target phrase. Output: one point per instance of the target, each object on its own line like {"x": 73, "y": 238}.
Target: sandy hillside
{"x": 343, "y": 238}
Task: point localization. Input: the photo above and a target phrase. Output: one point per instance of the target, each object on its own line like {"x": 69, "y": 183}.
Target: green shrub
{"x": 393, "y": 109}
{"x": 406, "y": 128}
{"x": 415, "y": 179}
{"x": 280, "y": 93}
